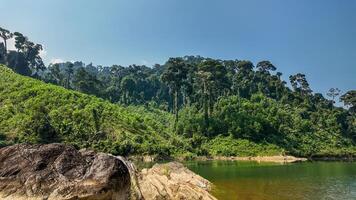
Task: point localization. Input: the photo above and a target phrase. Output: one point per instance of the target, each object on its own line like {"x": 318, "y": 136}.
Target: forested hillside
{"x": 34, "y": 112}
{"x": 187, "y": 106}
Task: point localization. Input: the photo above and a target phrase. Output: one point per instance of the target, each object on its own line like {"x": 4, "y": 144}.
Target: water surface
{"x": 245, "y": 180}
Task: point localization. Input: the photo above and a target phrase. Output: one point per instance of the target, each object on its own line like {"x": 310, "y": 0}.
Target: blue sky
{"x": 315, "y": 37}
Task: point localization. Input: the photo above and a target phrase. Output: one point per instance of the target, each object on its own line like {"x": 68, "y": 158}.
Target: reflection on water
{"x": 244, "y": 180}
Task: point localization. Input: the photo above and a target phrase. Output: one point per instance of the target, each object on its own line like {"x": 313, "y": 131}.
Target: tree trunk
{"x": 68, "y": 79}
{"x": 176, "y": 106}
{"x": 206, "y": 107}
{"x": 5, "y": 45}
{"x": 184, "y": 99}
{"x": 123, "y": 97}
{"x": 17, "y": 58}
{"x": 5, "y": 53}
{"x": 188, "y": 101}
{"x": 211, "y": 103}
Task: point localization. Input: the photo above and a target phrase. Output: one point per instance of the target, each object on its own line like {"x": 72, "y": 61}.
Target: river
{"x": 245, "y": 180}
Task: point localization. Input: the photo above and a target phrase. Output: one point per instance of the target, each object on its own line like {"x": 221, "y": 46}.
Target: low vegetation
{"x": 35, "y": 112}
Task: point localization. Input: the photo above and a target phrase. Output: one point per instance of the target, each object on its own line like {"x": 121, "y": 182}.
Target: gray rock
{"x": 60, "y": 172}
{"x": 57, "y": 171}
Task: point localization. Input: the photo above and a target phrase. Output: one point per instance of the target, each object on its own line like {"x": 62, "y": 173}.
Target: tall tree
{"x": 300, "y": 84}
{"x": 69, "y": 72}
{"x": 174, "y": 76}
{"x": 85, "y": 82}
{"x": 213, "y": 81}
{"x": 56, "y": 72}
{"x": 333, "y": 92}
{"x": 27, "y": 57}
{"x": 349, "y": 99}
{"x": 33, "y": 58}
{"x": 265, "y": 66}
{"x": 5, "y": 35}
{"x": 20, "y": 41}
{"x": 243, "y": 79}
{"x": 127, "y": 85}
{"x": 279, "y": 74}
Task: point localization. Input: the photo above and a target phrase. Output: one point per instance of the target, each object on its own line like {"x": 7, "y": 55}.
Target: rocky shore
{"x": 173, "y": 181}
{"x": 57, "y": 171}
{"x": 277, "y": 159}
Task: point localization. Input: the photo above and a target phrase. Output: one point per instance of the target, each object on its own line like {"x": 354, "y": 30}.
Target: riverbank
{"x": 277, "y": 159}
{"x": 333, "y": 158}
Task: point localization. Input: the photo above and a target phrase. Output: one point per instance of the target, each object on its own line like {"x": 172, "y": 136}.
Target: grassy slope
{"x": 35, "y": 112}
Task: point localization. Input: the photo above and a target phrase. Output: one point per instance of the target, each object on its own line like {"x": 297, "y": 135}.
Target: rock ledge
{"x": 173, "y": 181}
{"x": 57, "y": 171}
{"x": 61, "y": 172}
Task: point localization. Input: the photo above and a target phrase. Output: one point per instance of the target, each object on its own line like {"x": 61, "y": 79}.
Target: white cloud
{"x": 43, "y": 53}
{"x": 56, "y": 60}
{"x": 145, "y": 62}
{"x": 11, "y": 44}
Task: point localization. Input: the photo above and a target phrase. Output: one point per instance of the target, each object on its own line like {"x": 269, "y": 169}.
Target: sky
{"x": 314, "y": 37}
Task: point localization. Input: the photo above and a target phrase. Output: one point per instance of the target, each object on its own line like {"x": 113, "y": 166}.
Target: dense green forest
{"x": 187, "y": 106}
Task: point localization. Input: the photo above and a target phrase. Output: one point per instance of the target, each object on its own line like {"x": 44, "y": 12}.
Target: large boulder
{"x": 61, "y": 172}
{"x": 173, "y": 181}
{"x": 57, "y": 171}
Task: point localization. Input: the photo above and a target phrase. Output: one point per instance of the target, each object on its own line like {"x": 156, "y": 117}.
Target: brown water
{"x": 244, "y": 180}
